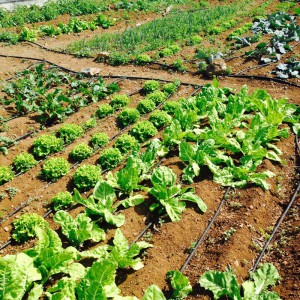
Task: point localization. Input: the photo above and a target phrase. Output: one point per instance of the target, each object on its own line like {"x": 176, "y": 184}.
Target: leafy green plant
{"x": 180, "y": 284}
{"x": 99, "y": 140}
{"x": 125, "y": 143}
{"x": 28, "y": 35}
{"x": 225, "y": 284}
{"x": 80, "y": 229}
{"x": 194, "y": 40}
{"x": 46, "y": 144}
{"x": 160, "y": 118}
{"x": 170, "y": 106}
{"x": 91, "y": 123}
{"x": 145, "y": 106}
{"x": 119, "y": 101}
{"x": 143, "y": 130}
{"x": 118, "y": 59}
{"x": 101, "y": 203}
{"x": 170, "y": 197}
{"x": 104, "y": 110}
{"x": 6, "y": 174}
{"x": 70, "y": 132}
{"x": 86, "y": 177}
{"x": 81, "y": 152}
{"x": 128, "y": 116}
{"x": 110, "y": 158}
{"x": 25, "y": 226}
{"x": 24, "y": 162}
{"x": 178, "y": 65}
{"x": 157, "y": 97}
{"x": 166, "y": 52}
{"x": 142, "y": 59}
{"x": 54, "y": 168}
{"x": 171, "y": 87}
{"x": 62, "y": 200}
{"x": 150, "y": 86}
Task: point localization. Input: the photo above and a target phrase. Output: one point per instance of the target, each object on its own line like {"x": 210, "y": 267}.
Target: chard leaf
{"x": 132, "y": 201}
{"x": 273, "y": 156}
{"x": 186, "y": 152}
{"x": 153, "y": 293}
{"x": 99, "y": 281}
{"x": 104, "y": 193}
{"x": 221, "y": 284}
{"x": 17, "y": 273}
{"x": 174, "y": 209}
{"x": 64, "y": 289}
{"x": 36, "y": 292}
{"x": 163, "y": 176}
{"x": 180, "y": 284}
{"x": 98, "y": 253}
{"x": 189, "y": 196}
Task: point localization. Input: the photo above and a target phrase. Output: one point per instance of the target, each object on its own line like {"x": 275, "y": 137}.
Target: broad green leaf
{"x": 163, "y": 176}
{"x": 174, "y": 209}
{"x": 98, "y": 253}
{"x": 36, "y": 292}
{"x": 110, "y": 218}
{"x": 266, "y": 295}
{"x": 221, "y": 284}
{"x": 180, "y": 284}
{"x": 153, "y": 293}
{"x": 186, "y": 152}
{"x": 64, "y": 289}
{"x": 273, "y": 156}
{"x": 132, "y": 201}
{"x": 104, "y": 193}
{"x": 189, "y": 196}
{"x": 17, "y": 273}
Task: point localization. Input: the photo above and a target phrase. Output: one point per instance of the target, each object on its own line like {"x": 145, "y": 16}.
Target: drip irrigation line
{"x": 140, "y": 234}
{"x": 182, "y": 269}
{"x": 6, "y": 244}
{"x": 256, "y": 77}
{"x": 279, "y": 221}
{"x": 47, "y": 49}
{"x": 254, "y": 67}
{"x": 20, "y": 73}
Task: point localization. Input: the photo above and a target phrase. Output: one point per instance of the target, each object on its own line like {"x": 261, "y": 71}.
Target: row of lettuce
{"x": 228, "y": 133}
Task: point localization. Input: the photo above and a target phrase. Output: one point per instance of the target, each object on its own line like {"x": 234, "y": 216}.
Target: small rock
{"x": 216, "y": 67}
{"x": 236, "y": 263}
{"x": 251, "y": 206}
{"x": 6, "y": 229}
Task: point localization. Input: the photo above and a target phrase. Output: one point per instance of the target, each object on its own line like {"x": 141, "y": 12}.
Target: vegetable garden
{"x": 165, "y": 175}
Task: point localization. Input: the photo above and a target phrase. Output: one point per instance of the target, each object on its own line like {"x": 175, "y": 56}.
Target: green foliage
{"x": 80, "y": 229}
{"x": 80, "y": 152}
{"x": 143, "y": 130}
{"x": 119, "y": 101}
{"x": 145, "y": 106}
{"x": 54, "y": 168}
{"x": 166, "y": 52}
{"x": 62, "y": 200}
{"x": 104, "y": 110}
{"x": 170, "y": 88}
{"x": 125, "y": 143}
{"x": 225, "y": 284}
{"x": 99, "y": 140}
{"x": 25, "y": 226}
{"x": 118, "y": 59}
{"x": 170, "y": 197}
{"x": 194, "y": 40}
{"x": 91, "y": 123}
{"x": 170, "y": 106}
{"x": 46, "y": 144}
{"x": 101, "y": 203}
{"x": 28, "y": 35}
{"x": 178, "y": 65}
{"x": 157, "y": 97}
{"x": 180, "y": 284}
{"x": 160, "y": 119}
{"x": 86, "y": 177}
{"x": 23, "y": 162}
{"x": 70, "y": 132}
{"x": 110, "y": 158}
{"x": 6, "y": 174}
{"x": 150, "y": 86}
{"x": 142, "y": 59}
{"x": 128, "y": 116}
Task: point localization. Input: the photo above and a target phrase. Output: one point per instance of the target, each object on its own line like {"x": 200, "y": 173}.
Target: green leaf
{"x": 104, "y": 193}
{"x": 163, "y": 176}
{"x": 180, "y": 284}
{"x": 174, "y": 209}
{"x": 189, "y": 196}
{"x": 64, "y": 289}
{"x": 153, "y": 293}
{"x": 186, "y": 152}
{"x": 221, "y": 284}
{"x": 99, "y": 282}
{"x": 132, "y": 201}
{"x": 17, "y": 273}
{"x": 36, "y": 292}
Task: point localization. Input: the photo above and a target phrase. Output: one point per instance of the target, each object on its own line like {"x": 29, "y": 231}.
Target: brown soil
{"x": 250, "y": 211}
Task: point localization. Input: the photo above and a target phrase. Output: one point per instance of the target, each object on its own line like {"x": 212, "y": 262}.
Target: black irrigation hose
{"x": 276, "y": 228}
{"x": 297, "y": 144}
{"x": 256, "y": 77}
{"x": 141, "y": 233}
{"x": 182, "y": 269}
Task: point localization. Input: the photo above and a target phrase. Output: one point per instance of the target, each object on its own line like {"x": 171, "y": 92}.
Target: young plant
{"x": 125, "y": 143}
{"x": 70, "y": 132}
{"x": 24, "y": 162}
{"x": 142, "y": 59}
{"x": 150, "y": 86}
{"x": 101, "y": 203}
{"x": 54, "y": 168}
{"x": 143, "y": 130}
{"x": 6, "y": 174}
{"x": 25, "y": 226}
{"x": 81, "y": 152}
{"x": 145, "y": 106}
{"x": 119, "y": 101}
{"x": 180, "y": 284}
{"x": 110, "y": 158}
{"x": 178, "y": 65}
{"x": 86, "y": 177}
{"x": 225, "y": 284}
{"x": 99, "y": 140}
{"x": 104, "y": 110}
{"x": 91, "y": 123}
{"x": 80, "y": 229}
{"x": 62, "y": 200}
{"x": 160, "y": 119}
{"x": 157, "y": 97}
{"x": 170, "y": 88}
{"x": 128, "y": 116}
{"x": 171, "y": 106}
{"x": 170, "y": 197}
{"x": 46, "y": 144}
